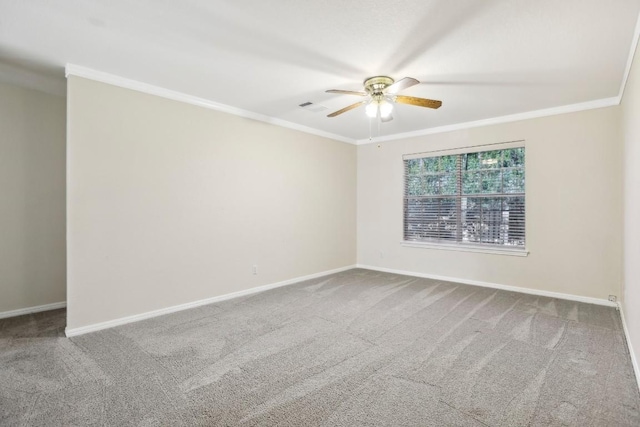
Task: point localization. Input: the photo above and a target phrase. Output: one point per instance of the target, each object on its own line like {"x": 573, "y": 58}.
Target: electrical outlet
{"x": 381, "y": 254}
{"x": 613, "y": 298}
{"x": 254, "y": 270}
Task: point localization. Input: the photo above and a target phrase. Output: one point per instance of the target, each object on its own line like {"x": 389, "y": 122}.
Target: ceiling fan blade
{"x": 401, "y": 85}
{"x": 347, "y": 92}
{"x": 345, "y": 109}
{"x": 420, "y": 102}
{"x": 386, "y": 119}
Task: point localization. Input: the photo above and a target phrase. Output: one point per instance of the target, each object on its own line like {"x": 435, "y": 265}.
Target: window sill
{"x": 466, "y": 248}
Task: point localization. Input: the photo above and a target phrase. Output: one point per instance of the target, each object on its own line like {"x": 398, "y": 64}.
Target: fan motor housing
{"x": 376, "y": 85}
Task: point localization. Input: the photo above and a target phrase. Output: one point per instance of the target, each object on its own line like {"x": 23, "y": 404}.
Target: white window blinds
{"x": 466, "y": 196}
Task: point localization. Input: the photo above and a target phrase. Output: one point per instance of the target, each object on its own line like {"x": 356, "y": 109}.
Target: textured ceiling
{"x": 483, "y": 59}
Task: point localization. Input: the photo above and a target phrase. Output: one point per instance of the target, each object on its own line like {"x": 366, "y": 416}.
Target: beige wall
{"x": 574, "y": 206}
{"x": 170, "y": 203}
{"x": 631, "y": 136}
{"x": 32, "y": 198}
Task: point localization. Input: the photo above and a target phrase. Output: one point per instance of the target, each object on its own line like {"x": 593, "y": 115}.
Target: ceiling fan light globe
{"x": 385, "y": 109}
{"x": 372, "y": 110}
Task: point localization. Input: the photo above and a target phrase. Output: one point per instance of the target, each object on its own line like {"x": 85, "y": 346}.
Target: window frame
{"x": 461, "y": 245}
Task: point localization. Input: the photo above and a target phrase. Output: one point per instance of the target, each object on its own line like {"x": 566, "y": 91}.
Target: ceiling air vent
{"x": 314, "y": 108}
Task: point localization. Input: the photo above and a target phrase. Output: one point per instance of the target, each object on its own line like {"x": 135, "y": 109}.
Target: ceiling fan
{"x": 381, "y": 93}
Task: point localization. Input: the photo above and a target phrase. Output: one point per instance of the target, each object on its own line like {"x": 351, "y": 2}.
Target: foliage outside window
{"x": 467, "y": 198}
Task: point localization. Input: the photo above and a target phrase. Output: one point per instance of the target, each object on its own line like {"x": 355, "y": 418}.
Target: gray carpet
{"x": 359, "y": 348}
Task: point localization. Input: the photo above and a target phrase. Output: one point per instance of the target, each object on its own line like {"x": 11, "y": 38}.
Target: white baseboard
{"x": 72, "y": 332}
{"x": 30, "y": 310}
{"x": 549, "y": 294}
{"x": 634, "y": 361}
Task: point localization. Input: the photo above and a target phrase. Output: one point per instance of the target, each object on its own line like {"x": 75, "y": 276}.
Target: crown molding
{"x": 88, "y": 73}
{"x": 572, "y": 108}
{"x": 632, "y": 52}
{"x": 19, "y": 76}
{"x": 100, "y": 76}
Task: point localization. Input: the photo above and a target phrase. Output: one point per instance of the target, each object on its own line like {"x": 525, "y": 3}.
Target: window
{"x": 472, "y": 197}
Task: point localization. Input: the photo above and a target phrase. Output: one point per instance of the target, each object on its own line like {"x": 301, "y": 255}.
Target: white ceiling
{"x": 483, "y": 59}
